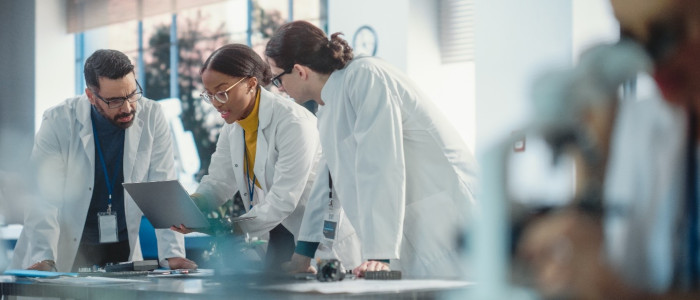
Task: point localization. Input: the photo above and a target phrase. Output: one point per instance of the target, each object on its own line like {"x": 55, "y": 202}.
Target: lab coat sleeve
{"x": 220, "y": 184}
{"x": 41, "y": 222}
{"x": 297, "y": 145}
{"x": 380, "y": 167}
{"x": 162, "y": 167}
{"x": 312, "y": 223}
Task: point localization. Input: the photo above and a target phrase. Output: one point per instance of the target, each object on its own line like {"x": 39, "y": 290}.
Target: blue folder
{"x": 35, "y": 273}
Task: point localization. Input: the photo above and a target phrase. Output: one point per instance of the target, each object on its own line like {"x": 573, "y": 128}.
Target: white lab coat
{"x": 402, "y": 173}
{"x": 287, "y": 153}
{"x": 644, "y": 193}
{"x": 64, "y": 153}
{"x": 346, "y": 244}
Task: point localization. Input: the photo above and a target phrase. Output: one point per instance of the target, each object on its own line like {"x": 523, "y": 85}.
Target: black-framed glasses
{"x": 117, "y": 102}
{"x": 277, "y": 80}
{"x": 221, "y": 97}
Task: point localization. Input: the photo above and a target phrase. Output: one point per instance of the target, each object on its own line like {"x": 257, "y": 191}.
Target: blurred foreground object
{"x": 330, "y": 270}
{"x": 558, "y": 244}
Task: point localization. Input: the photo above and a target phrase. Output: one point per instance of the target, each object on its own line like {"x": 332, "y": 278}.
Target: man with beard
{"x": 86, "y": 148}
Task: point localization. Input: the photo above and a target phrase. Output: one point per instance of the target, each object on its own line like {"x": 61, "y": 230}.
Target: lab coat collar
{"x": 131, "y": 141}
{"x": 265, "y": 110}
{"x": 264, "y": 120}
{"x": 83, "y": 109}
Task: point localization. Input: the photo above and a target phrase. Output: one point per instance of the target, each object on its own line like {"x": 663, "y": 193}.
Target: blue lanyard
{"x": 104, "y": 168}
{"x": 250, "y": 185}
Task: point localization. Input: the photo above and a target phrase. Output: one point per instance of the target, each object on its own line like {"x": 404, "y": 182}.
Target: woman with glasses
{"x": 401, "y": 171}
{"x": 267, "y": 150}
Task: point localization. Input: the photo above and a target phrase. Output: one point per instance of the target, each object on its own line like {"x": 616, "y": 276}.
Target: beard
{"x": 114, "y": 120}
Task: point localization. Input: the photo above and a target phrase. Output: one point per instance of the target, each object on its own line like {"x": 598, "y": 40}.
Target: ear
{"x": 252, "y": 83}
{"x": 90, "y": 95}
{"x": 302, "y": 71}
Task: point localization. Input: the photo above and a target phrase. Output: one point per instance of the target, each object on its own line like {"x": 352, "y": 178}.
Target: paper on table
{"x": 182, "y": 273}
{"x": 360, "y": 286}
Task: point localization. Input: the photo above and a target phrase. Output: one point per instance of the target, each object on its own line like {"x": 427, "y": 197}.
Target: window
{"x": 457, "y": 30}
{"x": 199, "y": 30}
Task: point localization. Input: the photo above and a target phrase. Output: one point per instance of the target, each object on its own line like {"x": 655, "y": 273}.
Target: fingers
{"x": 377, "y": 266}
{"x": 181, "y": 263}
{"x": 311, "y": 269}
{"x": 191, "y": 265}
{"x": 40, "y": 266}
{"x": 181, "y": 229}
{"x": 298, "y": 264}
{"x": 370, "y": 266}
{"x": 360, "y": 270}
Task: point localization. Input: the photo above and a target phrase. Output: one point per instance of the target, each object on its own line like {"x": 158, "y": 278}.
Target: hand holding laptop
{"x": 185, "y": 230}
{"x": 167, "y": 204}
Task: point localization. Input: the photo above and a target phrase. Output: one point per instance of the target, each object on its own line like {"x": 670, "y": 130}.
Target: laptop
{"x": 166, "y": 203}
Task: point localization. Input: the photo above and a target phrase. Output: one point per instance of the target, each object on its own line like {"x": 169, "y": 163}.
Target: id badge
{"x": 330, "y": 223}
{"x": 107, "y": 223}
{"x": 329, "y": 229}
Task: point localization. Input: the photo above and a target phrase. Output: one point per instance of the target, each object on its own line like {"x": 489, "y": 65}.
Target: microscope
{"x": 574, "y": 115}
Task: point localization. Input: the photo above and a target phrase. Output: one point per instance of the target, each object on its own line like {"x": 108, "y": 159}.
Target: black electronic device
{"x": 383, "y": 275}
{"x": 330, "y": 270}
{"x": 114, "y": 274}
{"x": 139, "y": 265}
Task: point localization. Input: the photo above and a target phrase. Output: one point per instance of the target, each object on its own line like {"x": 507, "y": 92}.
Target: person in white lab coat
{"x": 85, "y": 148}
{"x": 404, "y": 177}
{"x": 267, "y": 150}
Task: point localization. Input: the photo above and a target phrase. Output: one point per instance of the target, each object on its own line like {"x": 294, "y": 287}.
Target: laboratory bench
{"x": 240, "y": 286}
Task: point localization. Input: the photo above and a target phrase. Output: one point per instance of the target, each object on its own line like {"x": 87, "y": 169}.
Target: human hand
{"x": 371, "y": 265}
{"x": 181, "y": 229}
{"x": 299, "y": 264}
{"x": 44, "y": 265}
{"x": 181, "y": 263}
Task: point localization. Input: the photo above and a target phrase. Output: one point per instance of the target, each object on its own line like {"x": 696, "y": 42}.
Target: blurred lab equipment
{"x": 574, "y": 110}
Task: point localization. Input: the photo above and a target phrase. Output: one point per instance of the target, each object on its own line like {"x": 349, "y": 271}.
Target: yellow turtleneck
{"x": 250, "y": 126}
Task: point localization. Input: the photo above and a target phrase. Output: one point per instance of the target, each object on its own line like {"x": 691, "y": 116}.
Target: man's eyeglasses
{"x": 277, "y": 80}
{"x": 221, "y": 97}
{"x": 117, "y": 102}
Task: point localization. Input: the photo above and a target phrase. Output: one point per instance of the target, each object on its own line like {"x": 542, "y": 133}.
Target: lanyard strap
{"x": 110, "y": 184}
{"x": 692, "y": 202}
{"x": 246, "y": 165}
{"x": 330, "y": 191}
{"x": 330, "y": 186}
